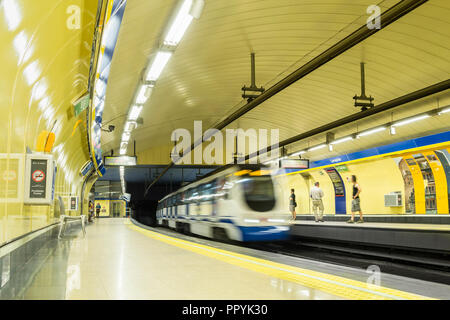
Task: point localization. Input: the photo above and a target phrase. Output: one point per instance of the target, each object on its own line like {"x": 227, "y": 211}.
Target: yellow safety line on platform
{"x": 339, "y": 286}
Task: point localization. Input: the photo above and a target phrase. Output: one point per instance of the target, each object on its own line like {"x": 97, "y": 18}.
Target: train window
{"x": 188, "y": 196}
{"x": 207, "y": 191}
{"x": 195, "y": 195}
{"x": 178, "y": 199}
{"x": 222, "y": 188}
{"x": 259, "y": 193}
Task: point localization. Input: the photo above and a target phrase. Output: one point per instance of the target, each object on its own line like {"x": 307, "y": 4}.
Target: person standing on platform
{"x": 97, "y": 209}
{"x": 91, "y": 211}
{"x": 292, "y": 205}
{"x": 356, "y": 203}
{"x": 316, "y": 195}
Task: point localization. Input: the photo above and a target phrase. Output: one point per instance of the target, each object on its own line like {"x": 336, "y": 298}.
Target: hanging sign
{"x": 81, "y": 104}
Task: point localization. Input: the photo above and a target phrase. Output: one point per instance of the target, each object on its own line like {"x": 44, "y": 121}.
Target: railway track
{"x": 426, "y": 266}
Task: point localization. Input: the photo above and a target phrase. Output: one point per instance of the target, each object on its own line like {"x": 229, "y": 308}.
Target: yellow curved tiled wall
{"x": 45, "y": 54}
{"x": 377, "y": 176}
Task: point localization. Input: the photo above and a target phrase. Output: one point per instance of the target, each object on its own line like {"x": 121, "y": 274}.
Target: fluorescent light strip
{"x": 298, "y": 153}
{"x": 123, "y": 148}
{"x": 179, "y": 25}
{"x": 344, "y": 139}
{"x": 375, "y": 130}
{"x": 12, "y": 13}
{"x": 444, "y": 110}
{"x": 125, "y": 137}
{"x": 160, "y": 61}
{"x": 129, "y": 126}
{"x": 32, "y": 72}
{"x": 23, "y": 49}
{"x": 410, "y": 120}
{"x": 320, "y": 146}
{"x": 39, "y": 89}
{"x": 134, "y": 113}
{"x": 143, "y": 94}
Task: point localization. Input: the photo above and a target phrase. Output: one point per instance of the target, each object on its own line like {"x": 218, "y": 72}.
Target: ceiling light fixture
{"x": 320, "y": 146}
{"x": 371, "y": 131}
{"x": 344, "y": 139}
{"x": 23, "y": 49}
{"x": 411, "y": 120}
{"x": 32, "y": 72}
{"x": 12, "y": 14}
{"x": 392, "y": 130}
{"x": 39, "y": 89}
{"x": 129, "y": 126}
{"x": 160, "y": 61}
{"x": 125, "y": 137}
{"x": 298, "y": 153}
{"x": 134, "y": 113}
{"x": 445, "y": 110}
{"x": 143, "y": 94}
{"x": 179, "y": 25}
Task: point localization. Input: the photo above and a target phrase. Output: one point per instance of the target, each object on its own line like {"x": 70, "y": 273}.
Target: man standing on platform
{"x": 356, "y": 203}
{"x": 316, "y": 195}
{"x": 97, "y": 209}
{"x": 292, "y": 205}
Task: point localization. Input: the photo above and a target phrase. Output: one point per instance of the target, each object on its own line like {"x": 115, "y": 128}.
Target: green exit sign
{"x": 341, "y": 168}
{"x": 81, "y": 104}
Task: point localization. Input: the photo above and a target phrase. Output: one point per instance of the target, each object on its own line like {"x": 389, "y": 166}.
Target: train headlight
{"x": 251, "y": 220}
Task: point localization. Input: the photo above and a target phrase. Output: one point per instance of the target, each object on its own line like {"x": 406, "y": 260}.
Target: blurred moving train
{"x": 237, "y": 202}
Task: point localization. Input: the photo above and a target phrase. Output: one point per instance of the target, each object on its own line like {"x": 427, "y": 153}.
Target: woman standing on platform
{"x": 292, "y": 204}
{"x": 356, "y": 203}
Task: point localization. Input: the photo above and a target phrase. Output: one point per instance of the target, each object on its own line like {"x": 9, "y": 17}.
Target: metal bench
{"x": 63, "y": 223}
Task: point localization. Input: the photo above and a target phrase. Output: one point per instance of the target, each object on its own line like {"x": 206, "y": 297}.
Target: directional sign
{"x": 81, "y": 104}
{"x": 120, "y": 161}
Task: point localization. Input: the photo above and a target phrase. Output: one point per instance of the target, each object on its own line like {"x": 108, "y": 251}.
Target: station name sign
{"x": 120, "y": 161}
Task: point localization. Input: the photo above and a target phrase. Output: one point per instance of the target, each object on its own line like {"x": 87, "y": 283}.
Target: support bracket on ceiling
{"x": 253, "y": 89}
{"x": 364, "y": 102}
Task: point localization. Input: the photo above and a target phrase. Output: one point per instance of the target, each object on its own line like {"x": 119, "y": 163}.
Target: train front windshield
{"x": 259, "y": 193}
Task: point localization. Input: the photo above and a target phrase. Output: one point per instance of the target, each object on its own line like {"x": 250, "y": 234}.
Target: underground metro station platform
{"x": 236, "y": 158}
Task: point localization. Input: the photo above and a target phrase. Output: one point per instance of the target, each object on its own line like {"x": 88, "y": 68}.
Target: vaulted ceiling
{"x": 203, "y": 79}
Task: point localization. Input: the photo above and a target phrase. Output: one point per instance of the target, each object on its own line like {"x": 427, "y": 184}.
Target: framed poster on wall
{"x": 11, "y": 177}
{"x": 39, "y": 173}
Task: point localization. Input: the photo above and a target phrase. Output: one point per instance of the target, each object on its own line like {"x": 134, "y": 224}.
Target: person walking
{"x": 97, "y": 209}
{"x": 91, "y": 211}
{"x": 316, "y": 195}
{"x": 356, "y": 202}
{"x": 292, "y": 205}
